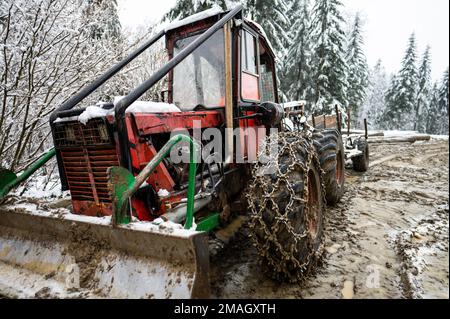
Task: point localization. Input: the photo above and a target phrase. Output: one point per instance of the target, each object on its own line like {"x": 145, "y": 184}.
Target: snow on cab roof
{"x": 215, "y": 10}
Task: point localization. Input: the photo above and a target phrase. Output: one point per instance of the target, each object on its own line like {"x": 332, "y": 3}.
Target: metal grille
{"x": 85, "y": 169}
{"x": 68, "y": 134}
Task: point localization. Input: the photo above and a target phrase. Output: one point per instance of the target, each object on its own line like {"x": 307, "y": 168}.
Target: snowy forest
{"x": 50, "y": 49}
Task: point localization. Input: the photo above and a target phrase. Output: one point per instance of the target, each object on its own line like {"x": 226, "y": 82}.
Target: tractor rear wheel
{"x": 287, "y": 204}
{"x": 361, "y": 162}
{"x": 330, "y": 149}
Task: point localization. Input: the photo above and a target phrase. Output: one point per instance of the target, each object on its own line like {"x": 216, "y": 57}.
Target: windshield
{"x": 199, "y": 79}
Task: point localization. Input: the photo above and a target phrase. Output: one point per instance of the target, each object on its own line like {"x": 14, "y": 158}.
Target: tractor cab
{"x": 198, "y": 82}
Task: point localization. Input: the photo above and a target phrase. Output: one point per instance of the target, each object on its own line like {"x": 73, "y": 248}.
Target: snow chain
{"x": 285, "y": 266}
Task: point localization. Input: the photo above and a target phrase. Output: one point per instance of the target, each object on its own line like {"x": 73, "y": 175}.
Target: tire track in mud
{"x": 387, "y": 238}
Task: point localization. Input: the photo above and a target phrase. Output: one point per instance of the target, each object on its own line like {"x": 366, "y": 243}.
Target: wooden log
{"x": 369, "y": 133}
{"x": 400, "y": 139}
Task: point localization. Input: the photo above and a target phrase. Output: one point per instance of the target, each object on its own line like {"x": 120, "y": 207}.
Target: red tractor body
{"x": 197, "y": 87}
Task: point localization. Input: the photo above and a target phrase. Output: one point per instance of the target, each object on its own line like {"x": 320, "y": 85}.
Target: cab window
{"x": 267, "y": 75}
{"x": 200, "y": 78}
{"x": 249, "y": 67}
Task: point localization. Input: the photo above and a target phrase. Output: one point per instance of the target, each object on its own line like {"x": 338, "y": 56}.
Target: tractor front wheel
{"x": 286, "y": 199}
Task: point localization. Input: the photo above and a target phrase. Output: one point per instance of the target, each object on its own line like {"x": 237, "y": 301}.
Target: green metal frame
{"x": 9, "y": 180}
{"x": 123, "y": 185}
{"x": 209, "y": 222}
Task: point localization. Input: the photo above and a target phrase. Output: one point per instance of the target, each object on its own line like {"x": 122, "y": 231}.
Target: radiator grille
{"x": 95, "y": 132}
{"x": 86, "y": 171}
{"x": 86, "y": 152}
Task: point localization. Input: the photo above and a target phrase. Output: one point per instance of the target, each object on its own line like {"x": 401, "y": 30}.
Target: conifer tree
{"x": 443, "y": 107}
{"x": 296, "y": 73}
{"x": 401, "y": 98}
{"x": 423, "y": 92}
{"x": 432, "y": 116}
{"x": 272, "y": 16}
{"x": 357, "y": 68}
{"x": 103, "y": 19}
{"x": 374, "y": 103}
{"x": 329, "y": 65}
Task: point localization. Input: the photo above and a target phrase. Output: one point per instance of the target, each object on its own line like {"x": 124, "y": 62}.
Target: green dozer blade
{"x": 45, "y": 255}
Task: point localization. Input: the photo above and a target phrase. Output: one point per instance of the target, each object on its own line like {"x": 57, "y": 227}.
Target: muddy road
{"x": 388, "y": 238}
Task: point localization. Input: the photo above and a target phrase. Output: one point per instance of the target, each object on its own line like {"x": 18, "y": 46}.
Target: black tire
{"x": 330, "y": 149}
{"x": 361, "y": 163}
{"x": 287, "y": 210}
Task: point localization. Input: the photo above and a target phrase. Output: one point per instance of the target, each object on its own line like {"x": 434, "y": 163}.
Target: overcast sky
{"x": 388, "y": 25}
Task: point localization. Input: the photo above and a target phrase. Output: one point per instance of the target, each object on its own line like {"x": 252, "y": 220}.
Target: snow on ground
{"x": 39, "y": 186}
{"x": 397, "y": 133}
{"x": 439, "y": 137}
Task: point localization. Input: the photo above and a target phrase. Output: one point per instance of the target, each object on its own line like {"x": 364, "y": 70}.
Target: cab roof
{"x": 217, "y": 11}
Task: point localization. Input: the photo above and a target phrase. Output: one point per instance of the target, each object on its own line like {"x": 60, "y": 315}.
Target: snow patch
{"x": 439, "y": 137}
{"x": 215, "y": 10}
{"x": 194, "y": 225}
{"x": 292, "y": 104}
{"x": 163, "y": 192}
{"x": 157, "y": 226}
{"x": 92, "y": 112}
{"x": 149, "y": 106}
{"x": 66, "y": 119}
{"x": 41, "y": 186}
{"x": 288, "y": 124}
{"x": 152, "y": 107}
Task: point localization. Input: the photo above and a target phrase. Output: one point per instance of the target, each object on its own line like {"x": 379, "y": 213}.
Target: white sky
{"x": 389, "y": 24}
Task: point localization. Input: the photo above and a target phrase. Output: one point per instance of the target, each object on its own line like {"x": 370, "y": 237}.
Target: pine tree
{"x": 374, "y": 103}
{"x": 272, "y": 16}
{"x": 401, "y": 98}
{"x": 386, "y": 120}
{"x": 103, "y": 17}
{"x": 329, "y": 65}
{"x": 357, "y": 67}
{"x": 443, "y": 106}
{"x": 296, "y": 74}
{"x": 423, "y": 92}
{"x": 432, "y": 117}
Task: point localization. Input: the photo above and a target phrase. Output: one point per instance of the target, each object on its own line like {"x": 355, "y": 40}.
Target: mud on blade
{"x": 80, "y": 256}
